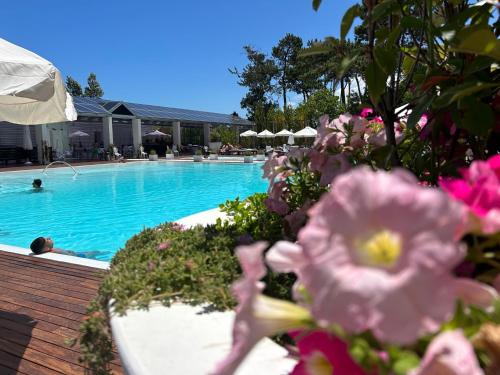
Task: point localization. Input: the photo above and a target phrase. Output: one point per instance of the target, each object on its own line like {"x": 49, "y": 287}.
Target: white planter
{"x": 213, "y": 157}
{"x": 260, "y": 157}
{"x": 169, "y": 156}
{"x": 248, "y": 159}
{"x": 197, "y": 158}
{"x": 153, "y": 157}
{"x": 187, "y": 340}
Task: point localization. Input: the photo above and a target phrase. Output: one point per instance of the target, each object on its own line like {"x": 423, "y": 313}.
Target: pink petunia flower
{"x": 257, "y": 316}
{"x": 449, "y": 353}
{"x": 322, "y": 353}
{"x": 479, "y": 189}
{"x": 377, "y": 254}
{"x": 328, "y": 165}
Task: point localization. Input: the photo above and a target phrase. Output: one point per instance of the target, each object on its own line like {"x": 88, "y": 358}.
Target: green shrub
{"x": 152, "y": 152}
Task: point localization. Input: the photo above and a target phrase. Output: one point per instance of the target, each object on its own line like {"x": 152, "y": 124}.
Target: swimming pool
{"x": 103, "y": 206}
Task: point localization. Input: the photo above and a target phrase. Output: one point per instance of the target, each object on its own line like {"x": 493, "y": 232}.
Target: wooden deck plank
{"x": 42, "y": 304}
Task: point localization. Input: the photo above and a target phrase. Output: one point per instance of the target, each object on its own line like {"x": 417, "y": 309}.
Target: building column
{"x": 206, "y": 134}
{"x": 42, "y": 139}
{"x": 136, "y": 133}
{"x": 176, "y": 132}
{"x": 107, "y": 131}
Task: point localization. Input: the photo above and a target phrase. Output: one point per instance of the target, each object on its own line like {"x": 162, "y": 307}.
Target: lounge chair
{"x": 116, "y": 154}
{"x": 142, "y": 154}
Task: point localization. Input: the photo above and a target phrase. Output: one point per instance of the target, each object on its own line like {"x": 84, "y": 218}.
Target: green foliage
{"x": 93, "y": 89}
{"x": 152, "y": 152}
{"x": 73, "y": 87}
{"x": 252, "y": 217}
{"x": 223, "y": 134}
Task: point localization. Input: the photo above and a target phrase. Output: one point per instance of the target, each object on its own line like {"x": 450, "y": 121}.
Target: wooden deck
{"x": 42, "y": 303}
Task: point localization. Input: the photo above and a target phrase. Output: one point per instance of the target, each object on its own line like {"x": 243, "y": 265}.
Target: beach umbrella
{"x": 248, "y": 133}
{"x": 78, "y": 133}
{"x": 291, "y": 140}
{"x": 265, "y": 134}
{"x": 156, "y": 133}
{"x": 284, "y": 133}
{"x": 32, "y": 90}
{"x": 307, "y": 132}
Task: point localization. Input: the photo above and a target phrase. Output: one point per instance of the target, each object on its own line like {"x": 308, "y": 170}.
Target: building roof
{"x": 103, "y": 107}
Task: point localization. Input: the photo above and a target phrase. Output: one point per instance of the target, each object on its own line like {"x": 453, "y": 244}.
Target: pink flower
{"x": 326, "y": 136}
{"x": 164, "y": 245}
{"x": 273, "y": 167}
{"x": 377, "y": 254}
{"x": 473, "y": 292}
{"x": 449, "y": 353}
{"x": 365, "y": 112}
{"x": 275, "y": 201}
{"x": 479, "y": 189}
{"x": 328, "y": 165}
{"x": 257, "y": 316}
{"x": 379, "y": 138}
{"x": 322, "y": 353}
{"x": 423, "y": 121}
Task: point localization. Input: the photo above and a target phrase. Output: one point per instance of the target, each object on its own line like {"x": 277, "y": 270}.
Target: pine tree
{"x": 73, "y": 87}
{"x": 93, "y": 89}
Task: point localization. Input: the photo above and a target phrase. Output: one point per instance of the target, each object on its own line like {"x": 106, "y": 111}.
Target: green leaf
{"x": 376, "y": 80}
{"x": 478, "y": 40}
{"x": 406, "y": 361}
{"x": 348, "y": 19}
{"x": 384, "y": 9}
{"x": 455, "y": 93}
{"x": 346, "y": 64}
{"x": 386, "y": 58}
{"x": 410, "y": 22}
{"x": 478, "y": 118}
{"x": 316, "y": 4}
{"x": 422, "y": 106}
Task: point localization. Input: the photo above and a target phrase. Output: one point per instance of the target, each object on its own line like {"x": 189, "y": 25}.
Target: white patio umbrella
{"x": 284, "y": 133}
{"x": 307, "y": 132}
{"x": 31, "y": 89}
{"x": 265, "y": 134}
{"x": 291, "y": 140}
{"x": 248, "y": 133}
{"x": 156, "y": 133}
{"x": 78, "y": 133}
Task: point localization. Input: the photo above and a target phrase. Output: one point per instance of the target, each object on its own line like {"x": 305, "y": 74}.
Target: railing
{"x": 60, "y": 162}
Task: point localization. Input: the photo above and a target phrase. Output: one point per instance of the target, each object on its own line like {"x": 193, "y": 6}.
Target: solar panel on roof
{"x": 88, "y": 106}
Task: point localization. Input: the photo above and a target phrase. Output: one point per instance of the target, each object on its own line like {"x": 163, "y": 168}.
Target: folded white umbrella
{"x": 156, "y": 133}
{"x": 284, "y": 133}
{"x": 27, "y": 143}
{"x": 31, "y": 89}
{"x": 291, "y": 140}
{"x": 78, "y": 133}
{"x": 307, "y": 132}
{"x": 248, "y": 133}
{"x": 265, "y": 134}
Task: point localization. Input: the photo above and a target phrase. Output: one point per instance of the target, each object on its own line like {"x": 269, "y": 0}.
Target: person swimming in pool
{"x": 37, "y": 184}
{"x": 42, "y": 245}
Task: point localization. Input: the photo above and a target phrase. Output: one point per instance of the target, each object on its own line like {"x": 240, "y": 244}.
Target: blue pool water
{"x": 104, "y": 206}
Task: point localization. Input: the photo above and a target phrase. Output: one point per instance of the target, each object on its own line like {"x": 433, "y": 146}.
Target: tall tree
{"x": 93, "y": 89}
{"x": 73, "y": 87}
{"x": 258, "y": 76}
{"x": 286, "y": 55}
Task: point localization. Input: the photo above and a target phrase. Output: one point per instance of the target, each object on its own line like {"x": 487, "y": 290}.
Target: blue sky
{"x": 167, "y": 52}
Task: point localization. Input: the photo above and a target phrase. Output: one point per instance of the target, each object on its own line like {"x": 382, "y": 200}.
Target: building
{"x": 122, "y": 124}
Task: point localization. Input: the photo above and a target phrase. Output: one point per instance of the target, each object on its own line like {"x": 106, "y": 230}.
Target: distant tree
{"x": 73, "y": 87}
{"x": 286, "y": 55}
{"x": 93, "y": 89}
{"x": 321, "y": 102}
{"x": 257, "y": 76}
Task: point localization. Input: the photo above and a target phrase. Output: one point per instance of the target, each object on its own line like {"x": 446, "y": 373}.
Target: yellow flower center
{"x": 317, "y": 364}
{"x": 382, "y": 249}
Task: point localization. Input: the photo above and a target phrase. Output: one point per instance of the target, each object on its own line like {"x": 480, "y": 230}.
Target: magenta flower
{"x": 479, "y": 189}
{"x": 365, "y": 112}
{"x": 321, "y": 353}
{"x": 377, "y": 254}
{"x": 257, "y": 316}
{"x": 449, "y": 353}
{"x": 164, "y": 245}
